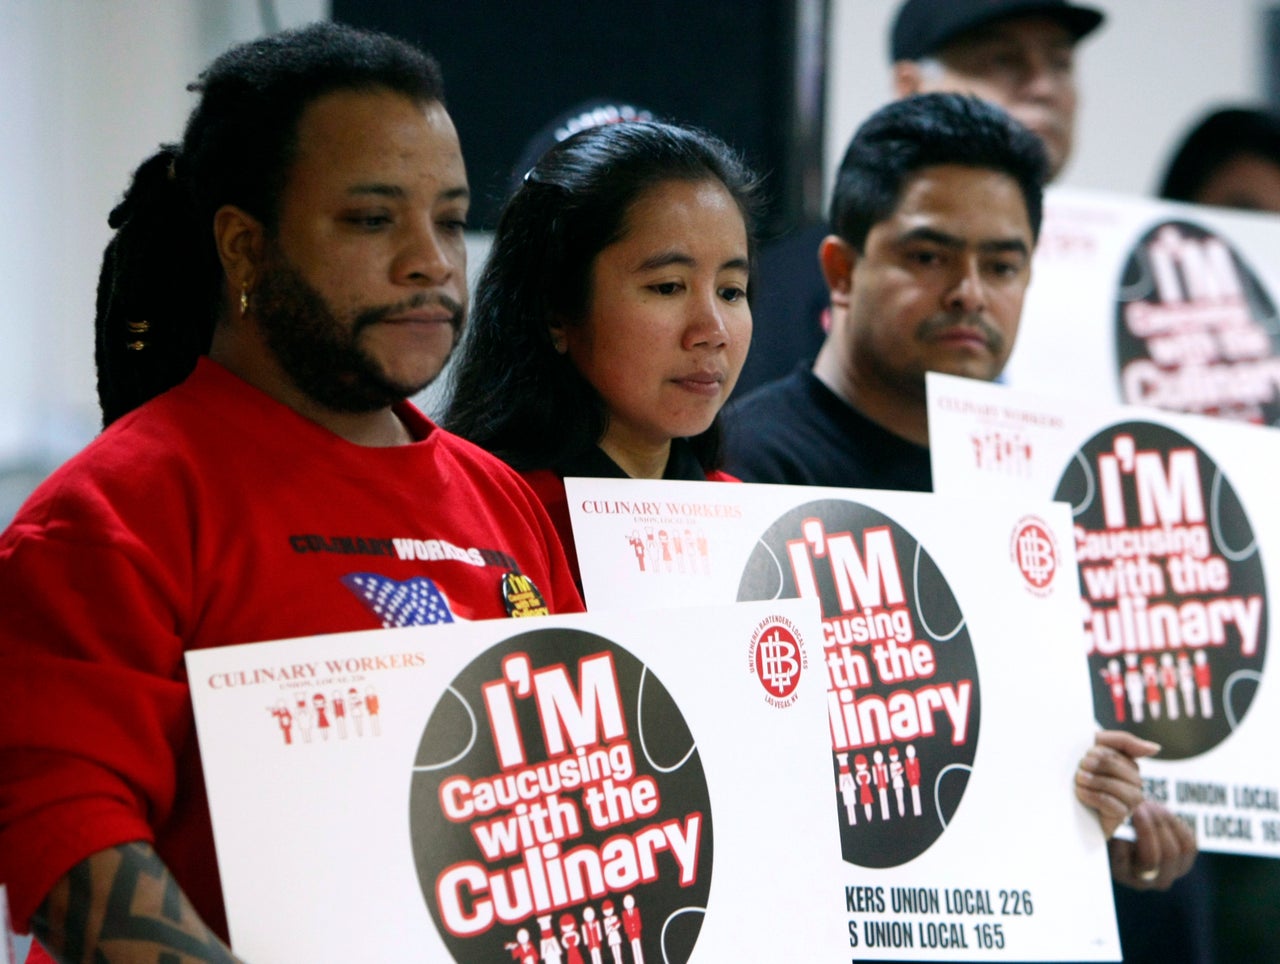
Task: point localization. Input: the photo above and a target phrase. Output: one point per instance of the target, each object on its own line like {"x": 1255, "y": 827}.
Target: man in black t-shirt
{"x": 934, "y": 217}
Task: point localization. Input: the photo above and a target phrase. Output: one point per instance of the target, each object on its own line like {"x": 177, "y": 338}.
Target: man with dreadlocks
{"x": 278, "y": 285}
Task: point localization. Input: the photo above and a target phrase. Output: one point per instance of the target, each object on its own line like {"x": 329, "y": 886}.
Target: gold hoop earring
{"x": 244, "y": 300}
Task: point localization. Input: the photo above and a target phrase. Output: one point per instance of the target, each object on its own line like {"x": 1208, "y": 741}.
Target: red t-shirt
{"x": 214, "y": 515}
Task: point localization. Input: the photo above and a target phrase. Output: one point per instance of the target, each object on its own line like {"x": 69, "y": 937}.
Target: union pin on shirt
{"x": 521, "y": 597}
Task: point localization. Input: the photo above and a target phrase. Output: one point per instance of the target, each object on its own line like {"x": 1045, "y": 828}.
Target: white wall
{"x": 89, "y": 87}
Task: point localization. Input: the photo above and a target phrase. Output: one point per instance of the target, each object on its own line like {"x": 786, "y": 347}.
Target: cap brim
{"x": 907, "y": 44}
{"x": 1079, "y": 21}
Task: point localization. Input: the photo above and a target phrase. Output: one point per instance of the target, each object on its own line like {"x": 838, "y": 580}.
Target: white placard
{"x": 405, "y": 795}
{"x": 1176, "y": 524}
{"x": 1155, "y": 303}
{"x": 951, "y": 639}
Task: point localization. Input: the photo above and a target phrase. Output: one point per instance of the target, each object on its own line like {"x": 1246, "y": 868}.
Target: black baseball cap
{"x": 922, "y": 27}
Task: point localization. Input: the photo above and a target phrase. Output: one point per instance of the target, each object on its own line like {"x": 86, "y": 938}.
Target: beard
{"x": 320, "y": 354}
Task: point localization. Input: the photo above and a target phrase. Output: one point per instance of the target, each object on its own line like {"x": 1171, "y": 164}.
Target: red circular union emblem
{"x": 1035, "y": 553}
{"x": 778, "y": 660}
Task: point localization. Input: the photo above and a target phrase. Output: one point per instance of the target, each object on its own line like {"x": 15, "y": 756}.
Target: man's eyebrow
{"x": 954, "y": 242}
{"x": 398, "y": 193}
{"x": 1005, "y": 246}
{"x": 931, "y": 236}
{"x": 378, "y": 190}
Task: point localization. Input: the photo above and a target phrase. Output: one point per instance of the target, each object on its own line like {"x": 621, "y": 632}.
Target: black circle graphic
{"x": 571, "y": 845}
{"x": 1195, "y": 329}
{"x": 1173, "y": 585}
{"x": 890, "y": 809}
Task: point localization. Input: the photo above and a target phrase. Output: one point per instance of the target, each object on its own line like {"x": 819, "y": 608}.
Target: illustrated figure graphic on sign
{"x": 569, "y": 938}
{"x": 592, "y": 934}
{"x": 1204, "y": 680}
{"x": 339, "y": 714}
{"x": 302, "y": 717}
{"x": 631, "y": 924}
{"x": 612, "y": 931}
{"x": 1169, "y": 680}
{"x": 284, "y": 719}
{"x": 1133, "y": 685}
{"x": 863, "y": 778}
{"x": 880, "y": 774}
{"x": 322, "y": 715}
{"x": 665, "y": 542}
{"x": 547, "y": 942}
{"x": 1187, "y": 683}
{"x": 848, "y": 789}
{"x": 371, "y": 704}
{"x": 523, "y": 950}
{"x": 678, "y": 545}
{"x": 356, "y": 706}
{"x": 913, "y": 778}
{"x": 637, "y": 547}
{"x": 703, "y": 552}
{"x": 895, "y": 777}
{"x": 1115, "y": 683}
{"x": 1151, "y": 680}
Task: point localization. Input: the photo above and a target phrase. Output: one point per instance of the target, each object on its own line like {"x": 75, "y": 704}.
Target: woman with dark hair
{"x": 611, "y": 319}
{"x": 1230, "y": 158}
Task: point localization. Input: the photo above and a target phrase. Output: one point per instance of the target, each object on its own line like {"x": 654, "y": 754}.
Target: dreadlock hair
{"x": 513, "y": 393}
{"x": 924, "y": 131}
{"x": 161, "y": 286}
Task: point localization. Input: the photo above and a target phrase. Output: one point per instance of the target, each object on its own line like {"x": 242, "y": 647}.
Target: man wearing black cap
{"x": 1019, "y": 54}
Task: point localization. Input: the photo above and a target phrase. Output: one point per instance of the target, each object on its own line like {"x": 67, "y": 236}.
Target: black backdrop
{"x": 730, "y": 66}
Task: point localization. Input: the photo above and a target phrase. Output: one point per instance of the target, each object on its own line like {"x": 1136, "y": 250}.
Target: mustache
{"x": 371, "y": 316}
{"x": 937, "y": 323}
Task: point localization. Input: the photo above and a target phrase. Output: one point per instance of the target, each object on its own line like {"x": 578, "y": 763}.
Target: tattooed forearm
{"x": 123, "y": 905}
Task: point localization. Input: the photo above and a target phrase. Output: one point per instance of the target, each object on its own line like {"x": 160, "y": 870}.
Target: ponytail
{"x": 157, "y": 291}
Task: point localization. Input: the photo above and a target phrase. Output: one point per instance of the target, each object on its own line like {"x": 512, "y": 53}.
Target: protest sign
{"x": 1173, "y": 525}
{"x": 956, "y": 710}
{"x": 648, "y": 786}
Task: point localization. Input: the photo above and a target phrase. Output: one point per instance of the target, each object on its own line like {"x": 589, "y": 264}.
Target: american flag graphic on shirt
{"x": 413, "y": 602}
